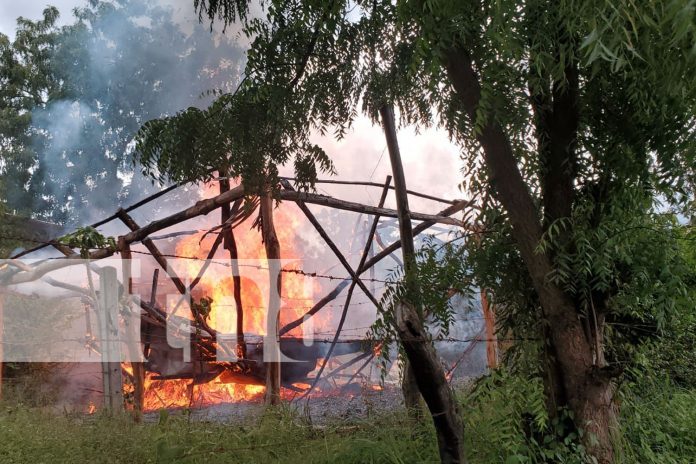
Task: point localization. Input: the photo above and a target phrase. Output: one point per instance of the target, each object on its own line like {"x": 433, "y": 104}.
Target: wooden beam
{"x": 134, "y": 349}
{"x": 360, "y": 369}
{"x": 154, "y": 251}
{"x": 377, "y": 184}
{"x": 316, "y": 308}
{"x": 344, "y": 313}
{"x": 201, "y": 208}
{"x": 153, "y": 303}
{"x": 383, "y": 246}
{"x": 64, "y": 249}
{"x": 416, "y": 230}
{"x": 350, "y": 363}
{"x": 369, "y": 264}
{"x": 335, "y": 203}
{"x": 113, "y": 216}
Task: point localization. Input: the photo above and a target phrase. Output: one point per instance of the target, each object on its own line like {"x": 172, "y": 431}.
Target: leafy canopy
{"x": 72, "y": 98}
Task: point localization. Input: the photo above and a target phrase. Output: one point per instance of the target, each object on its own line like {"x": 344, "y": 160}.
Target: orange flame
{"x": 218, "y": 284}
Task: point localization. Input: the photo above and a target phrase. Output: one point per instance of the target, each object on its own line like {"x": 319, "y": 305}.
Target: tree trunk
{"x": 588, "y": 391}
{"x": 432, "y": 384}
{"x": 270, "y": 241}
{"x": 422, "y": 368}
{"x": 230, "y": 244}
{"x": 409, "y": 388}
{"x": 587, "y": 387}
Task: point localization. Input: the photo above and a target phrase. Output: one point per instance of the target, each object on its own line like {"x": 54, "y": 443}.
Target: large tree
{"x": 73, "y": 97}
{"x": 574, "y": 118}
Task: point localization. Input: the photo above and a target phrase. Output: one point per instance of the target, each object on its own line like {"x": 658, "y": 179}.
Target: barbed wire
{"x": 263, "y": 268}
{"x": 303, "y": 272}
{"x": 313, "y": 340}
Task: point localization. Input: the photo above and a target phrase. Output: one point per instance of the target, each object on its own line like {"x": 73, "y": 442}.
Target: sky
{"x": 10, "y": 10}
{"x": 431, "y": 163}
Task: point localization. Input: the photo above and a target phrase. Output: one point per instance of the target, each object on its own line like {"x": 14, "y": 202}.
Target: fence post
{"x": 109, "y": 336}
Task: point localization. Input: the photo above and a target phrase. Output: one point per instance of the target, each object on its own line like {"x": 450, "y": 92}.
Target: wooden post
{"x": 270, "y": 241}
{"x": 430, "y": 380}
{"x": 409, "y": 386}
{"x": 491, "y": 338}
{"x": 134, "y": 347}
{"x": 231, "y": 245}
{"x": 108, "y": 331}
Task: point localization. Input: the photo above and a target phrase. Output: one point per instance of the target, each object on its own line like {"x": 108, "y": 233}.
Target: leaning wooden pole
{"x": 369, "y": 264}
{"x": 332, "y": 246}
{"x": 429, "y": 375}
{"x": 409, "y": 386}
{"x": 272, "y": 246}
{"x": 154, "y": 251}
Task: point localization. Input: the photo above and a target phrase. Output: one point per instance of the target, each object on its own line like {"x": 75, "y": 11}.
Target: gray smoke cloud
{"x": 153, "y": 58}
{"x": 123, "y": 64}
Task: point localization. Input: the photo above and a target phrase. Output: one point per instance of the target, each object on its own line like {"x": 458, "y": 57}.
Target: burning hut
{"x": 202, "y": 268}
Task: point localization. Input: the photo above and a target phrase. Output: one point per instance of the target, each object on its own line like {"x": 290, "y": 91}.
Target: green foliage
{"x": 505, "y": 422}
{"x": 630, "y": 68}
{"x": 88, "y": 239}
{"x": 322, "y": 60}
{"x": 509, "y": 409}
{"x": 25, "y": 82}
{"x": 73, "y": 97}
{"x": 440, "y": 274}
{"x": 658, "y": 421}
{"x": 672, "y": 354}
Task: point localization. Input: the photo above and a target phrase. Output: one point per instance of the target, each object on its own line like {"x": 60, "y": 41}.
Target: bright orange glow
{"x": 182, "y": 394}
{"x": 218, "y": 284}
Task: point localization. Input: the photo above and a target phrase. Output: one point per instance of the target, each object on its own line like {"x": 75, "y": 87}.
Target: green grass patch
{"x": 658, "y": 426}
{"x": 28, "y": 436}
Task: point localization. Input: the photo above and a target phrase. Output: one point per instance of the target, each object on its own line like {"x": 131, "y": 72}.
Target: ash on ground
{"x": 360, "y": 403}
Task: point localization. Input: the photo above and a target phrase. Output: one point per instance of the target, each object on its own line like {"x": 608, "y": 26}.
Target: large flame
{"x": 218, "y": 284}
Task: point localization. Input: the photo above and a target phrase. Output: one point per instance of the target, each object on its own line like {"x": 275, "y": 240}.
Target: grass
{"x": 658, "y": 419}
{"x": 28, "y": 436}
